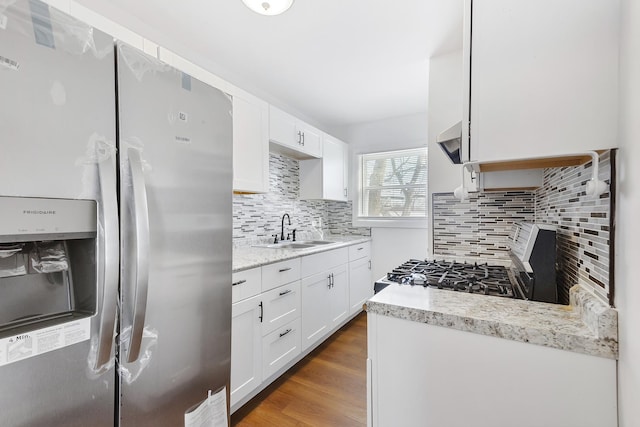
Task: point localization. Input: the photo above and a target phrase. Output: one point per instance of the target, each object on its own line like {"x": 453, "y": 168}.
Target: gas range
{"x": 456, "y": 276}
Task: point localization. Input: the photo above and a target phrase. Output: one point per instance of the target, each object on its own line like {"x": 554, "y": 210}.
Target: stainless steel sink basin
{"x": 292, "y": 245}
{"x": 295, "y": 245}
{"x": 318, "y": 242}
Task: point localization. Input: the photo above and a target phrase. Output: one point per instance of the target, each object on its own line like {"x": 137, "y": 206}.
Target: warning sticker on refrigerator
{"x": 9, "y": 63}
{"x": 212, "y": 412}
{"x": 30, "y": 344}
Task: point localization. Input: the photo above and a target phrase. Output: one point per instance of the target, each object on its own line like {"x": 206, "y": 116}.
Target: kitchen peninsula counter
{"x": 586, "y": 326}
{"x": 246, "y": 257}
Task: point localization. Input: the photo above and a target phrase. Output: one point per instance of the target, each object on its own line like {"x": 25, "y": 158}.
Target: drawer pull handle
{"x": 239, "y": 282}
{"x": 361, "y": 248}
{"x": 285, "y": 332}
{"x": 288, "y": 291}
{"x": 282, "y": 270}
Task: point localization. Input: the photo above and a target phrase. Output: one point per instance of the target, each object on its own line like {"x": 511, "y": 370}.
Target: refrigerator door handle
{"x": 141, "y": 225}
{"x": 108, "y": 260}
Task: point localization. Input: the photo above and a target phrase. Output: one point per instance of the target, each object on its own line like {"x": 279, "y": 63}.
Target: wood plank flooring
{"x": 326, "y": 388}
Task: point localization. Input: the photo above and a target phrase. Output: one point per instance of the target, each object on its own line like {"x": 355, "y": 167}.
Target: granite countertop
{"x": 246, "y": 257}
{"x": 586, "y": 326}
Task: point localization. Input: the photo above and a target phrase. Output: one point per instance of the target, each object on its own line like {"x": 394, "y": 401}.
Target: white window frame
{"x": 397, "y": 222}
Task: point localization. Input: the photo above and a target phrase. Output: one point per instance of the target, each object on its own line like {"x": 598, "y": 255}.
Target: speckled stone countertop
{"x": 246, "y": 257}
{"x": 586, "y": 326}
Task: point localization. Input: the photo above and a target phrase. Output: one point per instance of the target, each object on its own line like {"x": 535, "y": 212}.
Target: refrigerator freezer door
{"x": 57, "y": 108}
{"x": 182, "y": 130}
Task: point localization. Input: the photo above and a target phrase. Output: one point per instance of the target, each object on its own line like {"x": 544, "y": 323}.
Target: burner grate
{"x": 464, "y": 277}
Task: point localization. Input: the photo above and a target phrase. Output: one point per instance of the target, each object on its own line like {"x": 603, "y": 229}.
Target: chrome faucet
{"x": 282, "y": 225}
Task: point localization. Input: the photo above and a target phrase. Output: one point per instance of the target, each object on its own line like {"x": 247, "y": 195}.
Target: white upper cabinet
{"x": 326, "y": 178}
{"x": 250, "y": 144}
{"x": 544, "y": 77}
{"x": 293, "y": 137}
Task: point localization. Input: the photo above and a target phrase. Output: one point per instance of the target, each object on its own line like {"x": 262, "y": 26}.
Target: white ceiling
{"x": 337, "y": 62}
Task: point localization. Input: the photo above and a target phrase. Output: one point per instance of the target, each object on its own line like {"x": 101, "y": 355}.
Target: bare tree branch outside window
{"x": 394, "y": 184}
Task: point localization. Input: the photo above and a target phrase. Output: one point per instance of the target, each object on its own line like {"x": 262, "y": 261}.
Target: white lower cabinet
{"x": 246, "y": 347}
{"x": 339, "y": 295}
{"x": 281, "y": 310}
{"x": 360, "y": 284}
{"x": 280, "y": 347}
{"x": 416, "y": 373}
{"x": 325, "y": 303}
{"x": 315, "y": 290}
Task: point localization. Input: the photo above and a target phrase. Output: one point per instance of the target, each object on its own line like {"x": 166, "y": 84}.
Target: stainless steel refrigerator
{"x": 115, "y": 213}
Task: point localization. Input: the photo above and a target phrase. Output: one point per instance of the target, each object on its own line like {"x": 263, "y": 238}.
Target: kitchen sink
{"x": 295, "y": 245}
{"x": 317, "y": 242}
{"x": 292, "y": 245}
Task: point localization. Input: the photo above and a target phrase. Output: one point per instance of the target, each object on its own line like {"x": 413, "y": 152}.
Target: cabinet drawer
{"x": 280, "y": 347}
{"x": 314, "y": 264}
{"x": 280, "y": 273}
{"x": 361, "y": 250}
{"x": 281, "y": 305}
{"x": 246, "y": 284}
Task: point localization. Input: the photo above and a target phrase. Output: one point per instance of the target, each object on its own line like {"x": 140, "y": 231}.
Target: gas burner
{"x": 462, "y": 277}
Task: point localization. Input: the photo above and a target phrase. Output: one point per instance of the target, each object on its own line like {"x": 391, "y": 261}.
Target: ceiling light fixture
{"x": 268, "y": 7}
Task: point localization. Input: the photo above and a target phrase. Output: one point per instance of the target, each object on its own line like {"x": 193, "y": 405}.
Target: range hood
{"x": 450, "y": 141}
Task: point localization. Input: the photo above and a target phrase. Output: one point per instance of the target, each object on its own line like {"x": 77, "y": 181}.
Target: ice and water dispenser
{"x": 47, "y": 262}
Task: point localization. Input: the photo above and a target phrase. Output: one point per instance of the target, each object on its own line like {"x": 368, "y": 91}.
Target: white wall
{"x": 445, "y": 109}
{"x": 391, "y": 246}
{"x": 627, "y": 249}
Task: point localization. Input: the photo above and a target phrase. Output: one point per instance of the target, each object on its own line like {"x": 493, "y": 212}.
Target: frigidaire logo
{"x": 38, "y": 212}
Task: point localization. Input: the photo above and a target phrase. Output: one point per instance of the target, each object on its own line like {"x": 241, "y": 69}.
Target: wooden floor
{"x": 326, "y": 388}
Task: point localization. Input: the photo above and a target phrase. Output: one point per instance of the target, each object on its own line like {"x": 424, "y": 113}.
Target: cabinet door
{"x": 250, "y": 145}
{"x": 339, "y": 295}
{"x": 315, "y": 316}
{"x": 360, "y": 284}
{"x": 333, "y": 169}
{"x": 310, "y": 139}
{"x": 541, "y": 86}
{"x": 246, "y": 348}
{"x": 282, "y": 129}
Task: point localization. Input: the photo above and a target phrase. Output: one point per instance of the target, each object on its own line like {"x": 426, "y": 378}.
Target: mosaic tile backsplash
{"x": 583, "y": 225}
{"x": 481, "y": 226}
{"x": 256, "y": 217}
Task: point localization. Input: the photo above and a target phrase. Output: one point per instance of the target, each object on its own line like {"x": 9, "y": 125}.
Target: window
{"x": 393, "y": 185}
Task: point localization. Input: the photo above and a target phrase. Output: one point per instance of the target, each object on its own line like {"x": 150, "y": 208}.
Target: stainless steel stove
{"x": 463, "y": 277}
{"x": 531, "y": 276}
